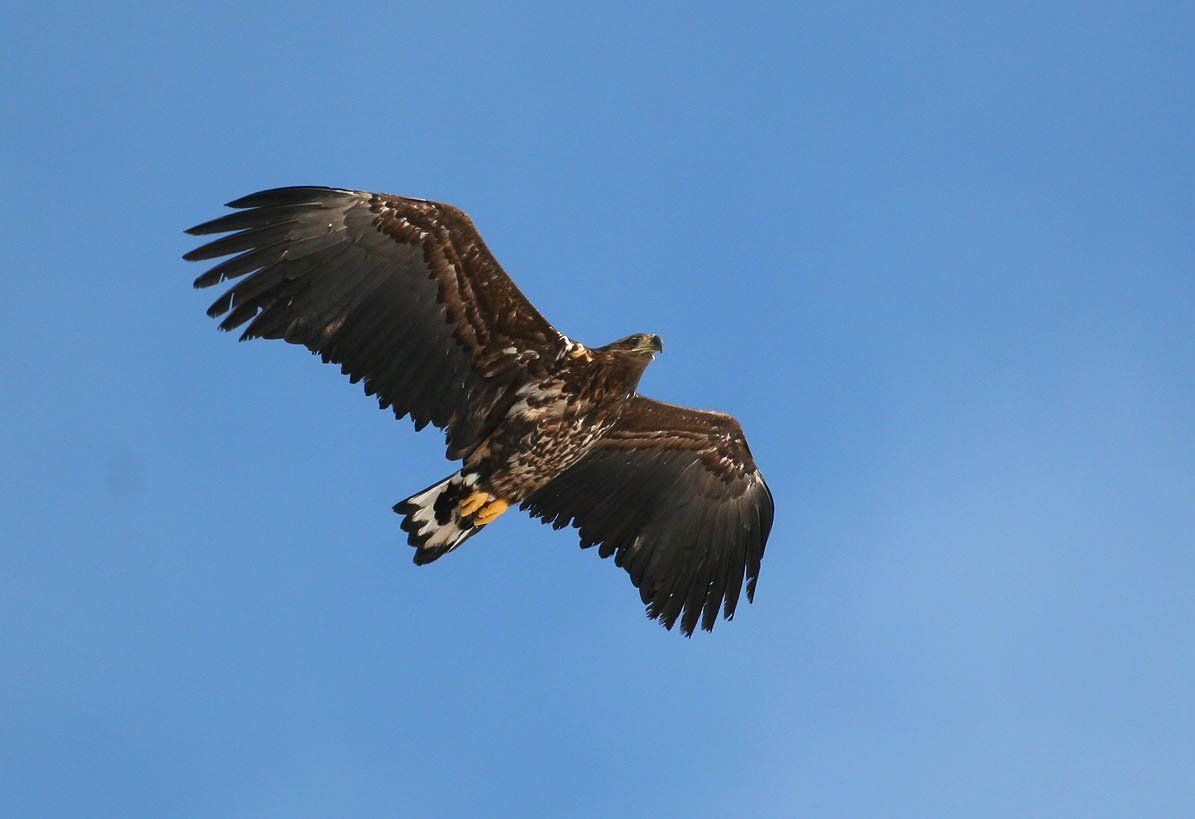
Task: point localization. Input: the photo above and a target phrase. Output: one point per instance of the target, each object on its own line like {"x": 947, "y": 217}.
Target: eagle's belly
{"x": 543, "y": 453}
{"x": 544, "y": 433}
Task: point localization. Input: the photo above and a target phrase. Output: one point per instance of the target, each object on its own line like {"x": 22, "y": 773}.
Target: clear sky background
{"x": 936, "y": 257}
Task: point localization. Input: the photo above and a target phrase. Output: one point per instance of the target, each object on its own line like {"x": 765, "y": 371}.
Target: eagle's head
{"x": 644, "y": 344}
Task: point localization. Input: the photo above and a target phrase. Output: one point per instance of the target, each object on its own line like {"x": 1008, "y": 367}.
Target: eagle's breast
{"x": 553, "y": 422}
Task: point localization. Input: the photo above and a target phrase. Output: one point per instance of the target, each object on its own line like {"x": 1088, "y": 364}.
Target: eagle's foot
{"x": 474, "y": 502}
{"x": 490, "y": 511}
{"x": 482, "y": 507}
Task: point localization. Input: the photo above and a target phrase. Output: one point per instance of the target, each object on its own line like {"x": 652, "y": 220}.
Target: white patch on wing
{"x": 575, "y": 349}
{"x": 538, "y": 399}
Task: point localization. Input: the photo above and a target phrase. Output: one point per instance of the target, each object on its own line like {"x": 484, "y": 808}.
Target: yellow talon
{"x": 490, "y": 511}
{"x": 474, "y": 502}
{"x": 482, "y": 507}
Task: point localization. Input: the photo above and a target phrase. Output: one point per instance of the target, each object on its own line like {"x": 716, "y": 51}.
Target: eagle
{"x": 405, "y": 296}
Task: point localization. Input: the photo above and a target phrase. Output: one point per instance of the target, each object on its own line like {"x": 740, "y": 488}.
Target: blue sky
{"x": 936, "y": 257}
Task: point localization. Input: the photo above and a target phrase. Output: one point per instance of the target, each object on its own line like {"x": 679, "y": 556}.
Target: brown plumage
{"x": 406, "y": 297}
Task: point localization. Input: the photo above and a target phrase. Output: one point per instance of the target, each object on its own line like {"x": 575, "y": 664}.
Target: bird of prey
{"x": 406, "y": 297}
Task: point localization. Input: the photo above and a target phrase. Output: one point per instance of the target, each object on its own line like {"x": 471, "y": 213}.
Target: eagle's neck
{"x": 616, "y": 373}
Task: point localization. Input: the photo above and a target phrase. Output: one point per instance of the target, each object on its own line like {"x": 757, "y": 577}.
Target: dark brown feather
{"x": 674, "y": 494}
{"x": 403, "y": 293}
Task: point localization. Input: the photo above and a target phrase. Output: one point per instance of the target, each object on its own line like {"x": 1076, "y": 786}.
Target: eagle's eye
{"x": 647, "y": 343}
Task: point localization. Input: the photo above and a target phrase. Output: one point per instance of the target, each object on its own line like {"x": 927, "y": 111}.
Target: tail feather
{"x": 432, "y": 518}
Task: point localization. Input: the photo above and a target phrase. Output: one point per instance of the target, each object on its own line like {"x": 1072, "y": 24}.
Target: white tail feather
{"x": 425, "y": 532}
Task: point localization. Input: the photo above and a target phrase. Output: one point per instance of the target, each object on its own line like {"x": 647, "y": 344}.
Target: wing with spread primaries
{"x": 402, "y": 293}
{"x": 675, "y": 496}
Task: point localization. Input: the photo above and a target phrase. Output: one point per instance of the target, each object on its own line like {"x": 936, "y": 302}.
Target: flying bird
{"x": 406, "y": 297}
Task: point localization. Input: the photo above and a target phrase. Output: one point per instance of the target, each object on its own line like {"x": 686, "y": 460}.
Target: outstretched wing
{"x": 402, "y": 293}
{"x": 675, "y": 496}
